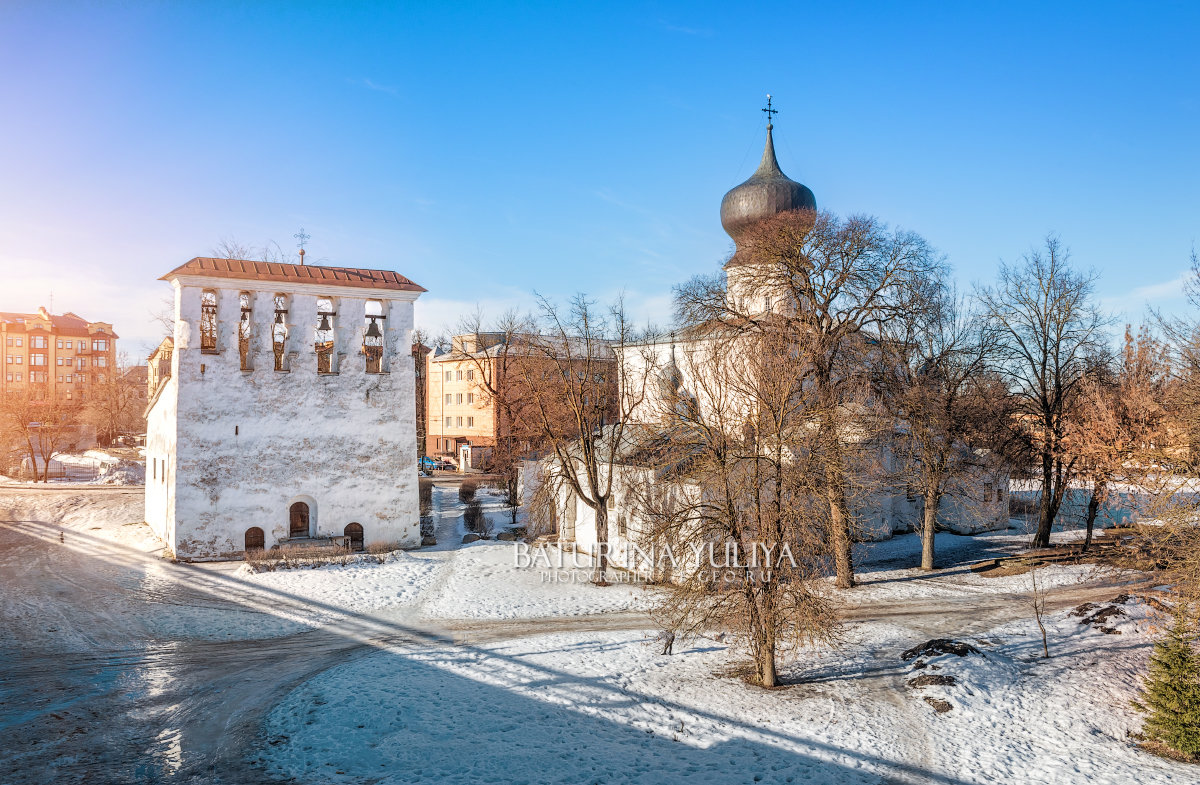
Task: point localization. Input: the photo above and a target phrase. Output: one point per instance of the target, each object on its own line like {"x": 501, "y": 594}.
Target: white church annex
{"x": 288, "y": 411}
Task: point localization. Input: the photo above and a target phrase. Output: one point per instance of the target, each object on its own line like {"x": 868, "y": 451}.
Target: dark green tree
{"x": 1171, "y": 693}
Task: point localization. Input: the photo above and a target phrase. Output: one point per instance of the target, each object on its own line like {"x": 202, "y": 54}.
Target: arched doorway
{"x": 355, "y": 532}
{"x": 298, "y": 520}
{"x": 255, "y": 541}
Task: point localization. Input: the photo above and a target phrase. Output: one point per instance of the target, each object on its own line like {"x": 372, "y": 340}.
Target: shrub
{"x": 466, "y": 491}
{"x": 475, "y": 519}
{"x": 425, "y": 495}
{"x": 1171, "y": 693}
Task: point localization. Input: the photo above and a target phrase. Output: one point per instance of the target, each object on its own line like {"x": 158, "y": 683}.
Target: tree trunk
{"x": 929, "y": 528}
{"x": 762, "y": 629}
{"x": 766, "y": 667}
{"x": 1045, "y": 515}
{"x": 839, "y": 532}
{"x": 602, "y": 541}
{"x": 1093, "y": 508}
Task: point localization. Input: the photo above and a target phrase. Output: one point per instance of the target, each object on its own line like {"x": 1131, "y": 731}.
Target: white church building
{"x": 283, "y": 410}
{"x": 669, "y": 370}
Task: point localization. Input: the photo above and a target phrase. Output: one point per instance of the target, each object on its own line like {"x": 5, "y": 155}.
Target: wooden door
{"x": 298, "y": 520}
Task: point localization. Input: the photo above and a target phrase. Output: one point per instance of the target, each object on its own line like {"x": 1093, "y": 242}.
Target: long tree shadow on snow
{"x": 188, "y": 711}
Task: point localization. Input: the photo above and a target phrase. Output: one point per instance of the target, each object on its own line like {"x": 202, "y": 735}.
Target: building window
{"x": 60, "y": 379}
{"x": 470, "y": 397}
{"x": 449, "y": 375}
{"x": 59, "y": 343}
{"x": 59, "y": 359}
{"x": 208, "y": 324}
{"x": 470, "y": 375}
{"x": 38, "y": 342}
{"x": 245, "y": 313}
{"x": 279, "y": 332}
{"x": 459, "y": 421}
{"x": 102, "y": 362}
{"x": 20, "y": 360}
{"x": 324, "y": 335}
{"x": 102, "y": 344}
{"x": 82, "y": 346}
{"x": 82, "y": 363}
{"x": 373, "y": 336}
{"x": 19, "y": 339}
{"x": 36, "y": 359}
{"x": 18, "y": 377}
{"x": 458, "y": 376}
{"x": 69, "y": 379}
{"x": 470, "y": 422}
{"x": 448, "y": 423}
{"x": 448, "y": 397}
{"x": 458, "y": 398}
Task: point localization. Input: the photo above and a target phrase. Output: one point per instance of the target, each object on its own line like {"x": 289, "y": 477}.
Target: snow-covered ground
{"x": 455, "y": 664}
{"x": 604, "y": 707}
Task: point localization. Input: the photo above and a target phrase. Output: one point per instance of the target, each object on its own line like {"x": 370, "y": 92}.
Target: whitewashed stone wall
{"x": 240, "y": 446}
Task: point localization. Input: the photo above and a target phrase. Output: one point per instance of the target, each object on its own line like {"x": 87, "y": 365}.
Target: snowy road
{"x": 120, "y": 667}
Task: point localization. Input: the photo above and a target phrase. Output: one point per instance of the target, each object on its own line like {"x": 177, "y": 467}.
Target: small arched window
{"x": 208, "y": 322}
{"x": 373, "y": 336}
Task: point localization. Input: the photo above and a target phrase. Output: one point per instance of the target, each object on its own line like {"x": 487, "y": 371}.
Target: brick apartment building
{"x": 55, "y": 356}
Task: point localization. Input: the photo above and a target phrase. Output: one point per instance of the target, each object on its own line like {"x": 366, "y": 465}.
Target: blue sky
{"x": 490, "y": 150}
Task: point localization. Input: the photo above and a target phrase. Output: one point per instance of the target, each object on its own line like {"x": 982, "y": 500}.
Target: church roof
{"x": 242, "y": 269}
{"x": 768, "y": 192}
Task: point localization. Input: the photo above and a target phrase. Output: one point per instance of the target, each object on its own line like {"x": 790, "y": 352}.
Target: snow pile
{"x": 123, "y": 473}
{"x": 351, "y": 588}
{"x": 488, "y": 581}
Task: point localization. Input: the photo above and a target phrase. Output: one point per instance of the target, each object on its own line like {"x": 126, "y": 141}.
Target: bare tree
{"x": 730, "y": 477}
{"x": 1119, "y": 422}
{"x": 835, "y": 286}
{"x": 567, "y": 374}
{"x": 116, "y": 402}
{"x": 938, "y": 391}
{"x": 499, "y": 354}
{"x": 1045, "y": 325}
{"x": 41, "y": 423}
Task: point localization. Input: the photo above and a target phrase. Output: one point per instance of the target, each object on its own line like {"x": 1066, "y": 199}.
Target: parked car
{"x": 428, "y": 464}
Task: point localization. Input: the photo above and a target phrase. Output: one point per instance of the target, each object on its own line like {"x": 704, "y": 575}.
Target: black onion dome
{"x": 768, "y": 192}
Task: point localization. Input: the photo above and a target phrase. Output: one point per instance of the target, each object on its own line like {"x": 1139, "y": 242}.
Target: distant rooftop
{"x": 60, "y": 324}
{"x": 242, "y": 269}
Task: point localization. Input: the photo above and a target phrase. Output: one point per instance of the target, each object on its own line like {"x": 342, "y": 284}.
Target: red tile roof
{"x": 294, "y": 273}
{"x": 67, "y": 324}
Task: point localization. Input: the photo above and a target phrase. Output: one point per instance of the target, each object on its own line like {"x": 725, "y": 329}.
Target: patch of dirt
{"x": 939, "y": 705}
{"x": 1098, "y": 615}
{"x": 1163, "y": 751}
{"x": 932, "y": 680}
{"x": 939, "y": 646}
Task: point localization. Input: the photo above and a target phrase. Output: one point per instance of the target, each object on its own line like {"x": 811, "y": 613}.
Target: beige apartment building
{"x": 465, "y": 423}
{"x": 55, "y": 356}
{"x": 461, "y": 417}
